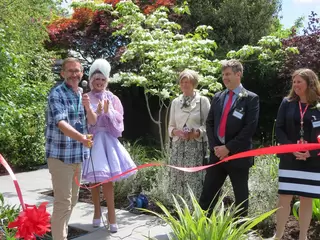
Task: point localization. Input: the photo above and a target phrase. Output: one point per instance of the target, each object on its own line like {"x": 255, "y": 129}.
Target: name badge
{"x": 237, "y": 114}
{"x": 316, "y": 124}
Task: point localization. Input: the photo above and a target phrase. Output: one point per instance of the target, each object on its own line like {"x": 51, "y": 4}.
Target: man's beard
{"x": 73, "y": 80}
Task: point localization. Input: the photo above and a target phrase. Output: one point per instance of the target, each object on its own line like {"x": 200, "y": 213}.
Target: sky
{"x": 291, "y": 10}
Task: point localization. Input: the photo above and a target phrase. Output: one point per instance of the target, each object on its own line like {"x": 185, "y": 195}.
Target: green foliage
{"x": 141, "y": 155}
{"x": 25, "y": 70}
{"x": 263, "y": 188}
{"x": 279, "y": 31}
{"x": 8, "y": 214}
{"x": 144, "y": 179}
{"x": 315, "y": 209}
{"x": 235, "y": 22}
{"x": 269, "y": 52}
{"x": 161, "y": 52}
{"x": 159, "y": 188}
{"x": 188, "y": 224}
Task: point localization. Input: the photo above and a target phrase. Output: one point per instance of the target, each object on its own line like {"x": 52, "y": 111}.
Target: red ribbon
{"x": 287, "y": 148}
{"x": 32, "y": 221}
{"x": 36, "y": 221}
{"x": 15, "y": 182}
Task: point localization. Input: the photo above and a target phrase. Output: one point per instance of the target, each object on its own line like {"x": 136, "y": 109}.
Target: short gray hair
{"x": 234, "y": 64}
{"x": 191, "y": 75}
{"x": 69, "y": 60}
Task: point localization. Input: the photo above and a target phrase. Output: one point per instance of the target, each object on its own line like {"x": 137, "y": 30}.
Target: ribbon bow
{"x": 33, "y": 221}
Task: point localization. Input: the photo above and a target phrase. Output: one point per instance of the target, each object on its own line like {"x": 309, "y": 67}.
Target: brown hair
{"x": 313, "y": 86}
{"x": 70, "y": 59}
{"x": 234, "y": 64}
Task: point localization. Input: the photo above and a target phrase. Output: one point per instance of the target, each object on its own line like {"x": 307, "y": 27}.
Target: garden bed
{"x": 291, "y": 231}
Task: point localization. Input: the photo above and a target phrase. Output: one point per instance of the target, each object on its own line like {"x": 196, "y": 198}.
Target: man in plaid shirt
{"x": 66, "y": 144}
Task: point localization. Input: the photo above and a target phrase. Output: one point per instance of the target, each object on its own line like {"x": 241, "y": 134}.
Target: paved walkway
{"x": 131, "y": 226}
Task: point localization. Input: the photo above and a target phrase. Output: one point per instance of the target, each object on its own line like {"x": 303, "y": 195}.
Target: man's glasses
{"x": 73, "y": 71}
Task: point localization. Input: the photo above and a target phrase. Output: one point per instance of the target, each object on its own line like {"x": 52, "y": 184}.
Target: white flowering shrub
{"x": 269, "y": 49}
{"x": 162, "y": 52}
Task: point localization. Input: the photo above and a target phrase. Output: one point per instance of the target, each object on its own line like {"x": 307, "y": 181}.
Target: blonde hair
{"x": 191, "y": 75}
{"x": 313, "y": 86}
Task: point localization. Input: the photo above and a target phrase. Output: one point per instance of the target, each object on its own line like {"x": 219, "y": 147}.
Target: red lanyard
{"x": 301, "y": 118}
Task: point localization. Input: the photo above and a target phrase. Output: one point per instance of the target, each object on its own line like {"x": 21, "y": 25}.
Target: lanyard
{"x": 76, "y": 106}
{"x": 301, "y": 119}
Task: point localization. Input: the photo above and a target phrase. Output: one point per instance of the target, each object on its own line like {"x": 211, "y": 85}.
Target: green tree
{"x": 159, "y": 52}
{"x": 235, "y": 22}
{"x": 25, "y": 71}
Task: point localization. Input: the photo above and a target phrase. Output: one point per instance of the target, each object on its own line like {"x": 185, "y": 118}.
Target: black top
{"x": 288, "y": 132}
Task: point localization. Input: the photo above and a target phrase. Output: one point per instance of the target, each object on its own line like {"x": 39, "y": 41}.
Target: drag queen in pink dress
{"x": 109, "y": 157}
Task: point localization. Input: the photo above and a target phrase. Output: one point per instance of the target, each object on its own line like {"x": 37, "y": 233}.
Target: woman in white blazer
{"x": 188, "y": 115}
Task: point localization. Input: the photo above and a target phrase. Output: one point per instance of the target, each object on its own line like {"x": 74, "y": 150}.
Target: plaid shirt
{"x": 62, "y": 105}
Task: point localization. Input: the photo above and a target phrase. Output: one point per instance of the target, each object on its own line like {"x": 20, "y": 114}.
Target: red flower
{"x": 32, "y": 222}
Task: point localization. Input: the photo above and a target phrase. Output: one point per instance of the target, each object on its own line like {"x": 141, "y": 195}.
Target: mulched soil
{"x": 72, "y": 233}
{"x": 292, "y": 230}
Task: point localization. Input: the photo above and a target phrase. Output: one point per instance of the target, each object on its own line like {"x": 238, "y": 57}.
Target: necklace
{"x": 302, "y": 113}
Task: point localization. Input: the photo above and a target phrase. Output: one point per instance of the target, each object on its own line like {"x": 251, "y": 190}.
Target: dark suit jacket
{"x": 239, "y": 132}
{"x": 287, "y": 132}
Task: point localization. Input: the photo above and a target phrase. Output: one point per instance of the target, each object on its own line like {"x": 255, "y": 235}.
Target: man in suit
{"x": 231, "y": 123}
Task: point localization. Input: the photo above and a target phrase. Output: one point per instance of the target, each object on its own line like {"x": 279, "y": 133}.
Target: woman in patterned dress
{"x": 108, "y": 156}
{"x": 189, "y": 139}
{"x": 298, "y": 121}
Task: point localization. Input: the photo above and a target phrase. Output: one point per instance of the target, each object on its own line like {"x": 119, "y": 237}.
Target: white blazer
{"x": 190, "y": 116}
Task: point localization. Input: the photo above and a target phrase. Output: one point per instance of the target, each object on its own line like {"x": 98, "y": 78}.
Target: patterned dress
{"x": 190, "y": 113}
{"x": 186, "y": 154}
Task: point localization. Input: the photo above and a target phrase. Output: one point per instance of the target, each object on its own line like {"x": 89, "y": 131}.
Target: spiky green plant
{"x": 194, "y": 224}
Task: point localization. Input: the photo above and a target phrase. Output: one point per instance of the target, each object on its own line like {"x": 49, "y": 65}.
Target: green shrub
{"x": 263, "y": 188}
{"x": 22, "y": 125}
{"x": 223, "y": 224}
{"x": 143, "y": 180}
{"x": 8, "y": 214}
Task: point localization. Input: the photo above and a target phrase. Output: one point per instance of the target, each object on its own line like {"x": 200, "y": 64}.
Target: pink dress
{"x": 108, "y": 155}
